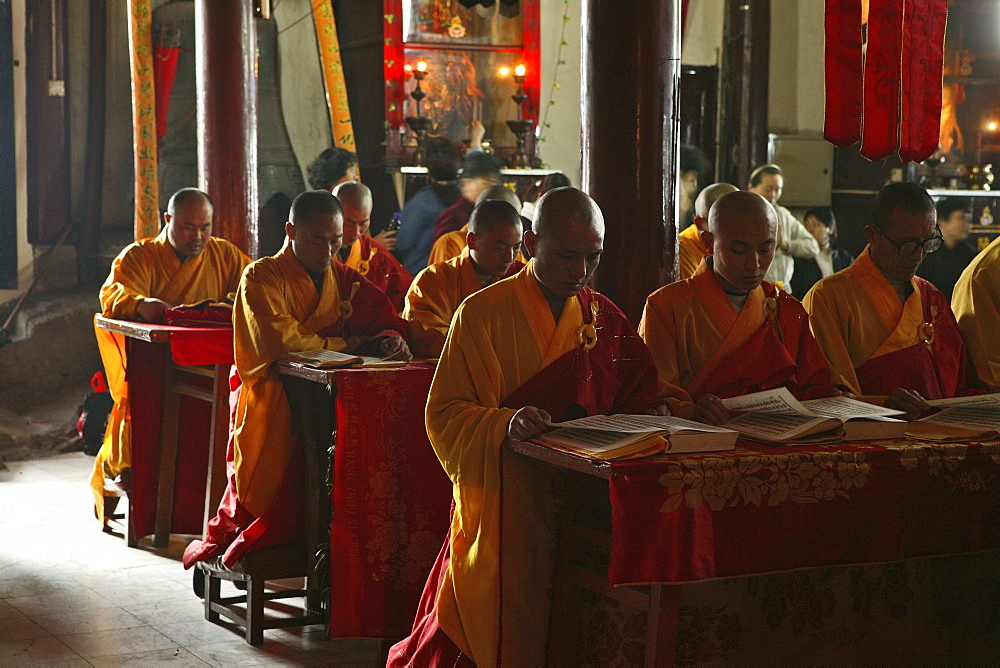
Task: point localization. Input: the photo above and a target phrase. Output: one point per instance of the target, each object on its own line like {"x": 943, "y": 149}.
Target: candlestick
{"x": 419, "y": 124}
{"x": 520, "y": 127}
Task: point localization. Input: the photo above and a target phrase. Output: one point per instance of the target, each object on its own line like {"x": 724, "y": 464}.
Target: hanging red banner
{"x": 923, "y": 66}
{"x": 880, "y": 126}
{"x": 843, "y": 54}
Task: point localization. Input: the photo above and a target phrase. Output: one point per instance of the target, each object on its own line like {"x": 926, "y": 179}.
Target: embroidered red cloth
{"x": 201, "y": 315}
{"x": 391, "y": 501}
{"x": 761, "y": 509}
{"x": 923, "y": 65}
{"x": 843, "y": 66}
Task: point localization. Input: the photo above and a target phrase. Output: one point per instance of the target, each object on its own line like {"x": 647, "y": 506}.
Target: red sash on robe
{"x": 937, "y": 370}
{"x": 384, "y": 271}
{"x": 234, "y": 531}
{"x": 615, "y": 376}
{"x": 766, "y": 361}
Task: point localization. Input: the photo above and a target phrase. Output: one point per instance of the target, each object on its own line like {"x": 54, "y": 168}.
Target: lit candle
{"x": 519, "y": 70}
{"x": 504, "y": 71}
{"x": 421, "y": 66}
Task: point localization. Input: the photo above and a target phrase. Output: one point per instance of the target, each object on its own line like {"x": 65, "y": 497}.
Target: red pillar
{"x": 630, "y": 136}
{"x": 225, "y": 61}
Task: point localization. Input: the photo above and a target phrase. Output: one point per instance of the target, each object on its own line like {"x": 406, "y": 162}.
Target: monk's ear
{"x": 707, "y": 239}
{"x": 530, "y": 239}
{"x": 166, "y": 218}
{"x": 870, "y": 234}
{"x": 700, "y": 223}
{"x": 290, "y": 230}
{"x": 470, "y": 241}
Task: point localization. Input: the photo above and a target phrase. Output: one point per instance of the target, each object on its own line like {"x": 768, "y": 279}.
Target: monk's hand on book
{"x": 395, "y": 348}
{"x": 709, "y": 409}
{"x": 909, "y": 401}
{"x": 528, "y": 423}
{"x": 840, "y": 391}
{"x": 151, "y": 310}
{"x": 662, "y": 409}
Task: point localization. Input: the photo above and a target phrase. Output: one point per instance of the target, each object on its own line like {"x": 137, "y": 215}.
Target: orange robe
{"x": 371, "y": 259}
{"x": 701, "y": 345}
{"x": 876, "y": 343}
{"x": 277, "y": 311}
{"x": 448, "y": 245}
{"x": 151, "y": 269}
{"x": 503, "y": 338}
{"x": 976, "y": 303}
{"x": 690, "y": 252}
{"x": 433, "y": 298}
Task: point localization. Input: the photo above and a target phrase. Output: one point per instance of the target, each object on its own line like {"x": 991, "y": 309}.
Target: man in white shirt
{"x": 794, "y": 239}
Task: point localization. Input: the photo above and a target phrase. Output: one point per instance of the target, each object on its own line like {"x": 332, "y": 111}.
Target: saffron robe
{"x": 690, "y": 252}
{"x": 701, "y": 345}
{"x": 503, "y": 338}
{"x": 433, "y": 298}
{"x": 454, "y": 217}
{"x": 448, "y": 246}
{"x": 373, "y": 261}
{"x": 150, "y": 269}
{"x": 277, "y": 311}
{"x": 976, "y": 304}
{"x": 877, "y": 343}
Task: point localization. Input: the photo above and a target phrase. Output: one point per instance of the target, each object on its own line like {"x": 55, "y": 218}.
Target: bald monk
{"x": 184, "y": 264}
{"x": 510, "y": 344}
{"x": 889, "y": 333}
{"x": 450, "y": 245}
{"x": 494, "y": 239}
{"x": 725, "y": 331}
{"x": 690, "y": 248}
{"x": 296, "y": 300}
{"x": 976, "y": 303}
{"x": 364, "y": 254}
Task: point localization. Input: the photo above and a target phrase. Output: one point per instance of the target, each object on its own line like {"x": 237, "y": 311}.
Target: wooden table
{"x": 158, "y": 387}
{"x": 680, "y": 523}
{"x": 388, "y": 501}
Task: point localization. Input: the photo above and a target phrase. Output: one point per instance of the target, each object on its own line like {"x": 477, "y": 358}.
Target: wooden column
{"x": 630, "y": 135}
{"x": 225, "y": 61}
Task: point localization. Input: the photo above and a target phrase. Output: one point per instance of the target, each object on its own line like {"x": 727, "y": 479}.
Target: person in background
{"x": 822, "y": 224}
{"x": 690, "y": 250}
{"x": 943, "y": 268}
{"x": 793, "y": 238}
{"x": 540, "y": 187}
{"x": 479, "y": 171}
{"x": 452, "y": 244}
{"x": 416, "y": 231}
{"x": 693, "y": 165}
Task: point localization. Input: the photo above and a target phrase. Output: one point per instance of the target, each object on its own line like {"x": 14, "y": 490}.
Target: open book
{"x": 627, "y": 436}
{"x": 775, "y": 416}
{"x": 960, "y": 419}
{"x": 330, "y": 359}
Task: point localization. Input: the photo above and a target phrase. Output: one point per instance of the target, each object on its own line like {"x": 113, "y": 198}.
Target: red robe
{"x": 454, "y": 217}
{"x": 275, "y": 477}
{"x": 373, "y": 261}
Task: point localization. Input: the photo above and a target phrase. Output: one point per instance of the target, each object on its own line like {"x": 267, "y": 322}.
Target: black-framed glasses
{"x": 910, "y": 248}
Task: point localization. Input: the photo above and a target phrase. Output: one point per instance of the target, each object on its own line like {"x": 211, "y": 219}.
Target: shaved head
{"x": 188, "y": 221}
{"x": 185, "y": 195}
{"x": 501, "y": 192}
{"x": 354, "y": 194}
{"x": 565, "y": 242}
{"x": 742, "y": 231}
{"x": 709, "y": 196}
{"x": 490, "y": 213}
{"x": 494, "y": 236}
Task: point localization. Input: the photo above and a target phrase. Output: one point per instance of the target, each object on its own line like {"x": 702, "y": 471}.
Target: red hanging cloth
{"x": 880, "y": 126}
{"x": 164, "y": 69}
{"x": 923, "y": 67}
{"x": 843, "y": 56}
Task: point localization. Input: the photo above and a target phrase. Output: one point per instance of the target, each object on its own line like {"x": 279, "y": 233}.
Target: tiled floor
{"x": 71, "y": 595}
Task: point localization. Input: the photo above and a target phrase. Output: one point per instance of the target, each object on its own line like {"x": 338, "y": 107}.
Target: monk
{"x": 890, "y": 334}
{"x": 511, "y": 344}
{"x": 725, "y": 331}
{"x": 479, "y": 170}
{"x": 299, "y": 299}
{"x": 364, "y": 254}
{"x": 494, "y": 239}
{"x": 976, "y": 303}
{"x": 690, "y": 248}
{"x": 451, "y": 244}
{"x": 184, "y": 264}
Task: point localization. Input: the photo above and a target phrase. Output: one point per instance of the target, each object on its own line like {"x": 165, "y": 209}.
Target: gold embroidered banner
{"x": 333, "y": 75}
{"x": 140, "y": 37}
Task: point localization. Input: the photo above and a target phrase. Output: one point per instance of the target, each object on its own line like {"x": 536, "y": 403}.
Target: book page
{"x": 637, "y": 424}
{"x": 844, "y": 408}
{"x": 593, "y": 440}
{"x": 769, "y": 426}
{"x": 970, "y": 416}
{"x": 976, "y": 400}
{"x": 320, "y": 357}
{"x": 778, "y": 400}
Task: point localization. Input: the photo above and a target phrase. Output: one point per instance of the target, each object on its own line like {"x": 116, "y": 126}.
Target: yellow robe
{"x": 501, "y": 337}
{"x": 151, "y": 269}
{"x": 690, "y": 252}
{"x": 432, "y": 300}
{"x": 448, "y": 245}
{"x": 277, "y": 310}
{"x": 976, "y": 303}
{"x": 855, "y": 316}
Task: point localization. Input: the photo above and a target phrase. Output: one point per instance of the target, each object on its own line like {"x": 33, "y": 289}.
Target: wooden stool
{"x": 271, "y": 563}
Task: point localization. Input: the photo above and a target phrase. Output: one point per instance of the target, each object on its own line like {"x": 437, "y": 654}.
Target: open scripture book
{"x": 960, "y": 419}
{"x": 330, "y": 359}
{"x": 609, "y": 437}
{"x": 775, "y": 416}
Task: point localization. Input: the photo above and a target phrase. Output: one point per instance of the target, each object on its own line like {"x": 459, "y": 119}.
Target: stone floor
{"x": 71, "y": 595}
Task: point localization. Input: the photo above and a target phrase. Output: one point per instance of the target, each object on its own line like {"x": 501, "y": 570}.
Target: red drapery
{"x": 164, "y": 69}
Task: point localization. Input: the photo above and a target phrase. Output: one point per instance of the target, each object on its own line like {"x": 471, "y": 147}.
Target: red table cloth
{"x": 761, "y": 509}
{"x": 391, "y": 502}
